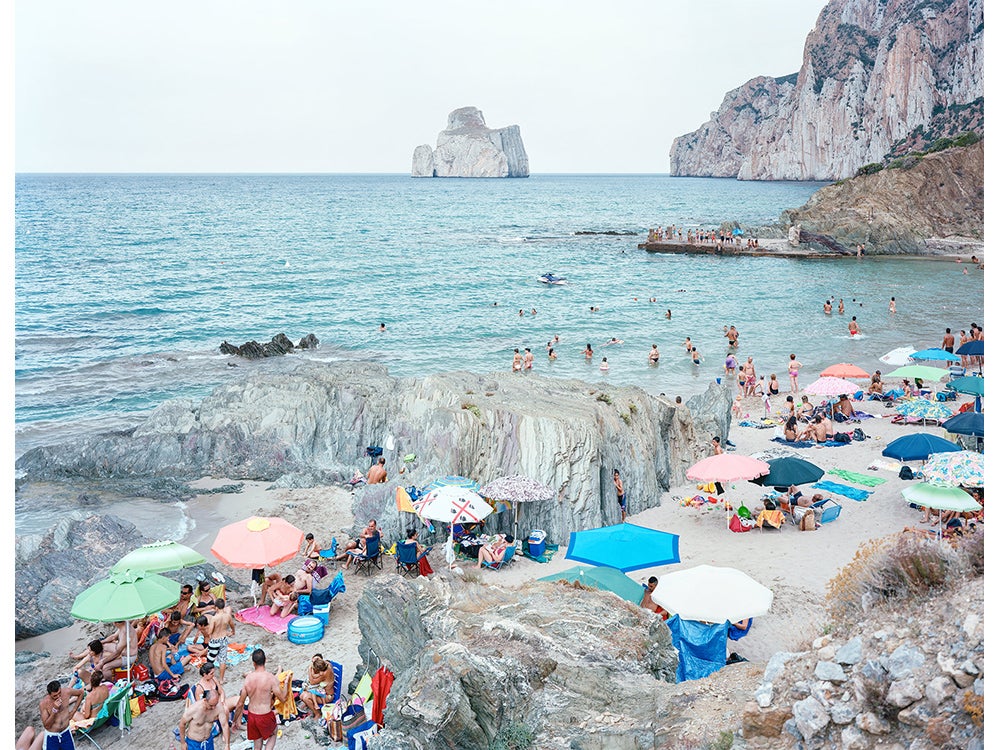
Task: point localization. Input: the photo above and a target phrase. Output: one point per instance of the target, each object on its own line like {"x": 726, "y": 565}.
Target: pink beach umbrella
{"x": 828, "y": 386}
{"x": 727, "y": 467}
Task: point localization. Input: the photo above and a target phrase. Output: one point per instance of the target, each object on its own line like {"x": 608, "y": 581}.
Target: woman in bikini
{"x": 793, "y": 372}
{"x": 495, "y": 552}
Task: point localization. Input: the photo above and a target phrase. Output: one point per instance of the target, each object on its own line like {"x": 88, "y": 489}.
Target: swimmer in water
{"x": 604, "y": 363}
{"x": 614, "y": 340}
{"x": 588, "y": 352}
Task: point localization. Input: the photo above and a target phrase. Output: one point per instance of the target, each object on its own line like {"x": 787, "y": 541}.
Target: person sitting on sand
{"x": 773, "y": 389}
{"x": 96, "y": 696}
{"x": 647, "y": 598}
{"x": 806, "y": 409}
{"x": 377, "y": 473}
{"x": 205, "y": 603}
{"x": 91, "y": 659}
{"x": 320, "y": 685}
{"x": 281, "y": 597}
{"x": 493, "y": 553}
{"x": 165, "y": 661}
{"x": 791, "y": 429}
{"x": 312, "y": 549}
{"x": 875, "y": 386}
{"x": 844, "y": 407}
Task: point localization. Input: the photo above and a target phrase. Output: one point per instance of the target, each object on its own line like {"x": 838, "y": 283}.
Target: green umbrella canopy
{"x": 605, "y": 579}
{"x": 159, "y": 557}
{"x": 918, "y": 371}
{"x": 126, "y": 595}
{"x": 940, "y": 497}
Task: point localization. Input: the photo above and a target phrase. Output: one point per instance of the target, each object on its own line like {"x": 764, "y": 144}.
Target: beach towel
{"x": 865, "y": 480}
{"x": 881, "y": 463}
{"x": 807, "y": 443}
{"x": 262, "y": 616}
{"x": 851, "y": 493}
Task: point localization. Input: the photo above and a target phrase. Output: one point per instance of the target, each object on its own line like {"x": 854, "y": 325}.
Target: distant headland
{"x": 467, "y": 148}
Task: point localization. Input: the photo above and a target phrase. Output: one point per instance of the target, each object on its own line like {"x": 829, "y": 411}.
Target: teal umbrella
{"x": 603, "y": 578}
{"x": 452, "y": 481}
{"x": 972, "y": 385}
{"x": 159, "y": 557}
{"x": 126, "y": 595}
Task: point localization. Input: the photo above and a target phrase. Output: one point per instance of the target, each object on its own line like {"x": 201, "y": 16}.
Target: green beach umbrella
{"x": 941, "y": 497}
{"x": 600, "y": 577}
{"x": 126, "y": 595}
{"x": 918, "y": 371}
{"x": 159, "y": 557}
{"x": 972, "y": 385}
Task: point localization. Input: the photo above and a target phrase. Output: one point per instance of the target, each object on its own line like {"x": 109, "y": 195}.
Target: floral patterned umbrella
{"x": 514, "y": 490}
{"x": 827, "y": 386}
{"x": 923, "y": 408}
{"x": 963, "y": 468}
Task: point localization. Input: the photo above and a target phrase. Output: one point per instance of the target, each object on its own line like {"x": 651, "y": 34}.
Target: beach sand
{"x": 795, "y": 564}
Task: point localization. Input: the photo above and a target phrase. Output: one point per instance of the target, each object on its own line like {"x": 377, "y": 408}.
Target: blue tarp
{"x": 701, "y": 647}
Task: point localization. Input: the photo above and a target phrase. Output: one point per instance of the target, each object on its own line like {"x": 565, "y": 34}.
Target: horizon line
{"x": 281, "y": 173}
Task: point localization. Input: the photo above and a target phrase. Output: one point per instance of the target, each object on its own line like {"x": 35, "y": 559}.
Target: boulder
{"x": 318, "y": 419}
{"x": 469, "y": 659}
{"x": 467, "y": 148}
{"x": 279, "y": 345}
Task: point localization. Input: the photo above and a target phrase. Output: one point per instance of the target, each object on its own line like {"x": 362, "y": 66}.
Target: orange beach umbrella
{"x": 844, "y": 370}
{"x": 257, "y": 542}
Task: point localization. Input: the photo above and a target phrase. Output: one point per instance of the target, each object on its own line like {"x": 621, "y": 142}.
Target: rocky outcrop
{"x": 278, "y": 345}
{"x": 925, "y": 205}
{"x": 467, "y": 148}
{"x": 471, "y": 659}
{"x": 913, "y": 673}
{"x": 320, "y": 418}
{"x": 878, "y": 78}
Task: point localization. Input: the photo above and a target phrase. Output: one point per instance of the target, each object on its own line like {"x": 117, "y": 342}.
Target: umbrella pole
{"x": 517, "y": 512}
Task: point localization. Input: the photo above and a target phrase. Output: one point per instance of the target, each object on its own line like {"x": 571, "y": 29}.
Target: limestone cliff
{"x": 317, "y": 421}
{"x": 922, "y": 205}
{"x": 467, "y": 148}
{"x": 878, "y": 78}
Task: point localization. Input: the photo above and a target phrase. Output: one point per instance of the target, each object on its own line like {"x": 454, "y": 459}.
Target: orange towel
{"x": 773, "y": 517}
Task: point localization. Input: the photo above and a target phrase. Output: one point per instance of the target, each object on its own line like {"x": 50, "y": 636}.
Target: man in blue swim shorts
{"x": 57, "y": 708}
{"x": 199, "y": 718}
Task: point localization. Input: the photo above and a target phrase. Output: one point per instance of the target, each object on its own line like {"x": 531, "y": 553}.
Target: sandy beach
{"x": 796, "y": 565}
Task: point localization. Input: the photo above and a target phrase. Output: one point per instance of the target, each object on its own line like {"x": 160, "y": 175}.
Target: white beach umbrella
{"x": 712, "y": 594}
{"x": 898, "y": 357}
{"x": 453, "y": 505}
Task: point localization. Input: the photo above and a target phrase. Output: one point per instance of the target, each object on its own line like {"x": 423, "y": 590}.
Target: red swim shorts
{"x": 261, "y": 726}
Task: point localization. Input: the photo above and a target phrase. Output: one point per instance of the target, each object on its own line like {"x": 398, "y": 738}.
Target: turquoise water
{"x": 126, "y": 284}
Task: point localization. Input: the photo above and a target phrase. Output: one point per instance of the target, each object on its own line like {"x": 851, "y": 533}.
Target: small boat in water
{"x": 551, "y": 278}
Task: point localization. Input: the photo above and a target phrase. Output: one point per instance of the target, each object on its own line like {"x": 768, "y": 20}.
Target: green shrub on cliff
{"x": 872, "y": 168}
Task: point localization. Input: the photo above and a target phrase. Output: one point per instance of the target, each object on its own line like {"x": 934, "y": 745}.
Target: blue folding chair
{"x": 407, "y": 559}
{"x": 366, "y": 562}
{"x": 508, "y": 555}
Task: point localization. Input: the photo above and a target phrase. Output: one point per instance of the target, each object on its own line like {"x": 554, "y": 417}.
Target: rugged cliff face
{"x": 467, "y": 148}
{"x": 878, "y": 78}
{"x": 316, "y": 422}
{"x": 932, "y": 204}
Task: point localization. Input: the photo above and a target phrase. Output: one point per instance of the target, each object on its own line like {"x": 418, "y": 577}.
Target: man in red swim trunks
{"x": 261, "y": 687}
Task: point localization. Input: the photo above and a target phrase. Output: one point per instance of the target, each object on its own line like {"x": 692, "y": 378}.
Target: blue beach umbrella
{"x": 971, "y": 349}
{"x": 451, "y": 481}
{"x": 966, "y": 423}
{"x": 624, "y": 546}
{"x": 918, "y": 446}
{"x": 935, "y": 354}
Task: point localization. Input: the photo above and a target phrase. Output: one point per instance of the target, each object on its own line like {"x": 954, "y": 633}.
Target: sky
{"x": 328, "y": 86}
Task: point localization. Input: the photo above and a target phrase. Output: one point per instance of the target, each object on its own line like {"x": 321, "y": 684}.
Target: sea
{"x": 126, "y": 285}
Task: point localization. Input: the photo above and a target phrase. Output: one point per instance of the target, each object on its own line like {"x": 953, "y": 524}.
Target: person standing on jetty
{"x": 620, "y": 492}
{"x": 793, "y": 372}
{"x": 261, "y": 687}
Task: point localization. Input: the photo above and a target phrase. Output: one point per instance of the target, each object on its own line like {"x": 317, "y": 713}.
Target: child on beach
{"x": 793, "y": 372}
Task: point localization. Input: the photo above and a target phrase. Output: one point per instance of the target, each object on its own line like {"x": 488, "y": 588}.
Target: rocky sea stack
{"x": 467, "y": 148}
{"x": 878, "y": 79}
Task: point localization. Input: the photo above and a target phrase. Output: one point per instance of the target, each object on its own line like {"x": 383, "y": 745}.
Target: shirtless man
{"x": 320, "y": 688}
{"x": 261, "y": 687}
{"x": 733, "y": 335}
{"x": 516, "y": 366}
{"x": 687, "y": 344}
{"x": 840, "y": 307}
{"x": 56, "y": 708}
{"x": 197, "y": 722}
{"x": 222, "y": 625}
{"x": 948, "y": 343}
{"x": 166, "y": 663}
{"x": 844, "y": 406}
{"x": 281, "y": 596}
{"x": 126, "y": 642}
{"x": 178, "y": 628}
{"x": 852, "y": 327}
{"x": 820, "y": 428}
{"x": 828, "y": 307}
{"x": 94, "y": 700}
{"x": 91, "y": 659}
{"x": 647, "y": 598}
{"x": 377, "y": 473}
{"x": 304, "y": 579}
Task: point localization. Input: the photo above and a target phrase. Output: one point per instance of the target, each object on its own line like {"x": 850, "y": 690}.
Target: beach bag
{"x": 859, "y": 434}
{"x": 842, "y": 437}
{"x": 906, "y": 473}
{"x": 169, "y": 690}
{"x": 808, "y": 522}
{"x": 738, "y": 524}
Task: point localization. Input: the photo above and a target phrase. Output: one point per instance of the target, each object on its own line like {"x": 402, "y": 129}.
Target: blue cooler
{"x": 536, "y": 543}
